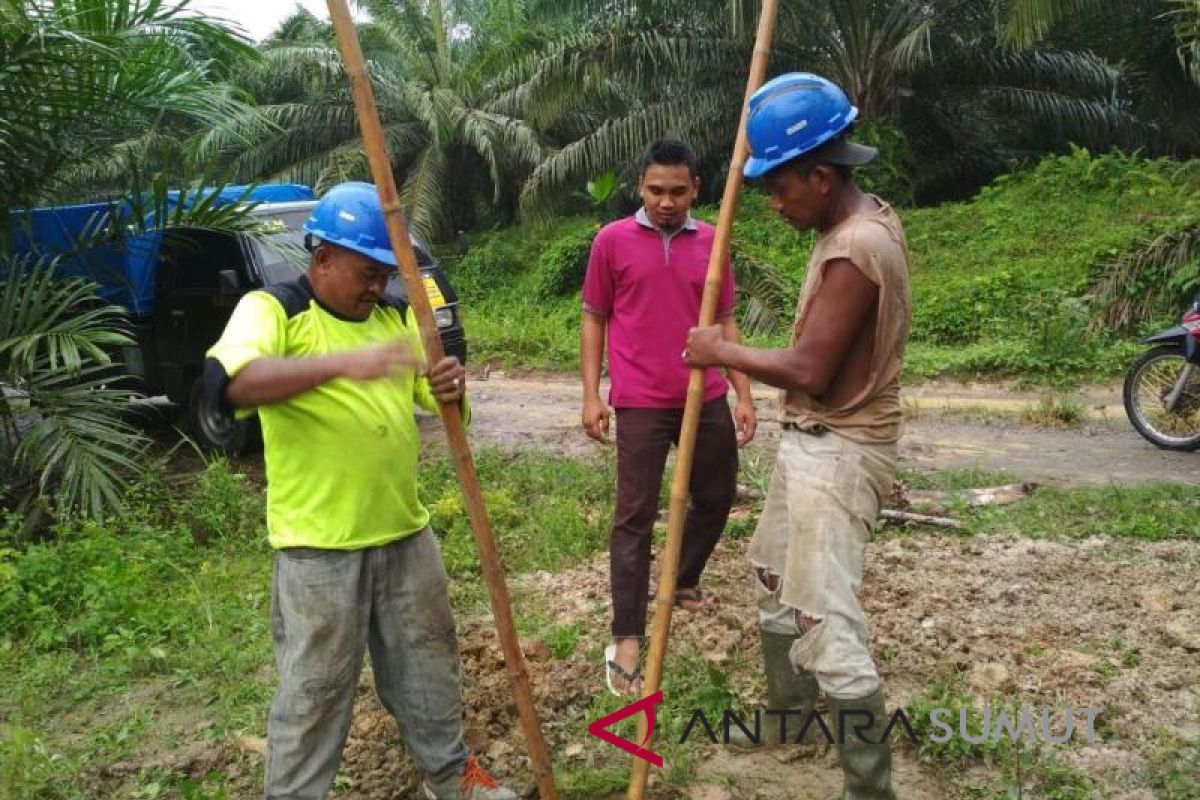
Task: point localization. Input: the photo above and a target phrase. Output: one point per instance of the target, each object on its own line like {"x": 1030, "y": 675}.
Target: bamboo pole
{"x": 695, "y": 396}
{"x": 460, "y": 449}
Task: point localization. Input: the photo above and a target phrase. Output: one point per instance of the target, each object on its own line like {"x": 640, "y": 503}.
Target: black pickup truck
{"x": 199, "y": 279}
{"x": 180, "y": 302}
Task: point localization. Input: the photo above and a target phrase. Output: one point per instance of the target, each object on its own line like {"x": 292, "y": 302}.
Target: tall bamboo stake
{"x": 695, "y": 395}
{"x": 460, "y": 449}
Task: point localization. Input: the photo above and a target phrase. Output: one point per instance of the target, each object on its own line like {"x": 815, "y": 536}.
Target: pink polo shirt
{"x": 647, "y": 285}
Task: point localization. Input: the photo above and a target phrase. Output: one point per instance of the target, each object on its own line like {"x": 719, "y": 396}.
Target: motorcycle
{"x": 1162, "y": 388}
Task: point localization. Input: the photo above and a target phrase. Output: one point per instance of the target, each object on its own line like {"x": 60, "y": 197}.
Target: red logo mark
{"x": 600, "y": 727}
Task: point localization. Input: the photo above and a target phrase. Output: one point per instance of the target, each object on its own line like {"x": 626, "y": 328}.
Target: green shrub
{"x": 29, "y": 768}
{"x": 222, "y": 505}
{"x": 1146, "y": 511}
{"x": 87, "y": 591}
{"x": 546, "y": 511}
{"x": 561, "y": 266}
{"x": 1002, "y": 263}
{"x": 509, "y": 264}
{"x": 889, "y": 175}
{"x": 98, "y": 584}
{"x": 490, "y": 264}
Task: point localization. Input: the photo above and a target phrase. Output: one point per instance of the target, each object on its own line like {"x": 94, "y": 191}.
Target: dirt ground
{"x": 1101, "y": 622}
{"x": 1085, "y": 605}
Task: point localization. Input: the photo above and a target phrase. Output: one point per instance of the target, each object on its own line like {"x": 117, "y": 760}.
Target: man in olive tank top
{"x": 841, "y": 415}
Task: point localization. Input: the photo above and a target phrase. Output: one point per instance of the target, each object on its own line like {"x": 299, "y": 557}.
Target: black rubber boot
{"x": 867, "y": 764}
{"x": 787, "y": 688}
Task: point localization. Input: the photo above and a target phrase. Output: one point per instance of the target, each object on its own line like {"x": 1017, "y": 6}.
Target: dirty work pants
{"x": 327, "y": 606}
{"x": 644, "y": 438}
{"x": 824, "y": 498}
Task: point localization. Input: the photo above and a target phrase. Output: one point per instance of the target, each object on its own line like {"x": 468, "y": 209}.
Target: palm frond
{"x": 82, "y": 449}
{"x": 424, "y": 194}
{"x": 1030, "y": 20}
{"x": 768, "y": 297}
{"x": 81, "y": 76}
{"x": 54, "y": 344}
{"x": 1150, "y": 280}
{"x": 45, "y": 320}
{"x": 702, "y": 118}
{"x": 1185, "y": 15}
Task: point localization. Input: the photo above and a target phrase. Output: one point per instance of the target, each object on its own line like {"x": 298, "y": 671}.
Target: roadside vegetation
{"x": 1027, "y": 280}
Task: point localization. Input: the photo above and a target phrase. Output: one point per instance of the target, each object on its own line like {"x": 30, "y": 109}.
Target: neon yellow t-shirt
{"x": 341, "y": 459}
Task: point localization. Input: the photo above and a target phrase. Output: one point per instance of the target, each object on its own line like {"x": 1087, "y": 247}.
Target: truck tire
{"x": 216, "y": 430}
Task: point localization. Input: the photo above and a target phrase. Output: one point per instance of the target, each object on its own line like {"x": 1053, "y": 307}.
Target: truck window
{"x": 281, "y": 256}
{"x": 192, "y": 259}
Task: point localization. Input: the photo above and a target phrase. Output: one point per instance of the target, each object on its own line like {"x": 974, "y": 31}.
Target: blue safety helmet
{"x": 795, "y": 114}
{"x": 350, "y": 216}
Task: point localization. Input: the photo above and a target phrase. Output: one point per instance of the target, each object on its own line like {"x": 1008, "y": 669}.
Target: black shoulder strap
{"x": 294, "y": 296}
{"x": 396, "y": 302}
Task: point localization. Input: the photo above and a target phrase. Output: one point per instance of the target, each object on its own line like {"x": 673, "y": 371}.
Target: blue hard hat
{"x": 350, "y": 216}
{"x": 795, "y": 114}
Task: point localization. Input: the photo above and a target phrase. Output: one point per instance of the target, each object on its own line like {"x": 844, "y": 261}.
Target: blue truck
{"x": 180, "y": 288}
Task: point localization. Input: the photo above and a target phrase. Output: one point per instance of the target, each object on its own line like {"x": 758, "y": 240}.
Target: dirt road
{"x": 950, "y": 426}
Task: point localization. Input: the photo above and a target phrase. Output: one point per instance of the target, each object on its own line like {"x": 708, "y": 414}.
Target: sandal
{"x": 634, "y": 678}
{"x": 693, "y": 594}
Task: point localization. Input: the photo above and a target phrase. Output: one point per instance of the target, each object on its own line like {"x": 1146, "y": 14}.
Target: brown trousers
{"x": 644, "y": 438}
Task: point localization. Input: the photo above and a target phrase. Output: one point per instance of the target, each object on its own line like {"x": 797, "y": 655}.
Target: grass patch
{"x": 563, "y": 639}
{"x": 590, "y": 781}
{"x": 1017, "y": 768}
{"x": 1013, "y": 357}
{"x": 1145, "y": 511}
{"x": 152, "y": 631}
{"x": 954, "y": 479}
{"x": 547, "y": 512}
{"x": 1152, "y": 510}
{"x": 29, "y": 768}
{"x": 1052, "y": 411}
{"x": 516, "y": 332}
{"x": 1174, "y": 767}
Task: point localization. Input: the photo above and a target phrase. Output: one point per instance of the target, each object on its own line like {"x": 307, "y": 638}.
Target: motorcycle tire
{"x": 1151, "y": 377}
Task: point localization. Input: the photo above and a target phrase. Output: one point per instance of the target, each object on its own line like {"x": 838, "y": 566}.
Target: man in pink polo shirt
{"x": 645, "y": 278}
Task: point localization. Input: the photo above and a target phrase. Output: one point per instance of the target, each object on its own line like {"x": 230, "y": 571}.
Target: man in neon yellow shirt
{"x": 330, "y": 365}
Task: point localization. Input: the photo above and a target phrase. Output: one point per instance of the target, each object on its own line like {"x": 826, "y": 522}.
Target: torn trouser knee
{"x": 824, "y": 496}
{"x": 831, "y": 647}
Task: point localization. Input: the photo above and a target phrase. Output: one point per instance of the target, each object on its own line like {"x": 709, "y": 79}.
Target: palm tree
{"x": 84, "y": 81}
{"x": 459, "y": 160}
{"x": 1155, "y": 42}
{"x": 934, "y": 70}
